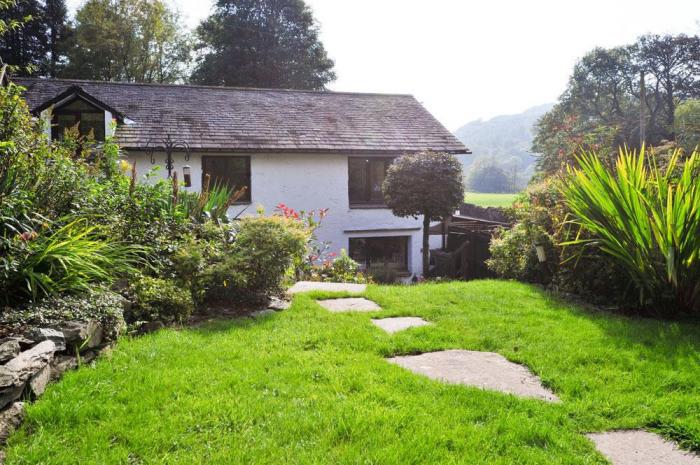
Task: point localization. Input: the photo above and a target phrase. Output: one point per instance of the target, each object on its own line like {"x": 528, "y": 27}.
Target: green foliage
{"x": 98, "y": 303}
{"x": 647, "y": 220}
{"x": 32, "y": 34}
{"x": 600, "y": 109}
{"x": 688, "y": 125}
{"x": 155, "y": 299}
{"x": 341, "y": 269}
{"x": 268, "y": 43}
{"x": 124, "y": 40}
{"x": 488, "y": 177}
{"x": 211, "y": 203}
{"x": 513, "y": 253}
{"x": 69, "y": 259}
{"x": 424, "y": 183}
{"x": 263, "y": 253}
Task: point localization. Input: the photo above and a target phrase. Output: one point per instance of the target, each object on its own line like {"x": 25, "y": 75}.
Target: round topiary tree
{"x": 425, "y": 183}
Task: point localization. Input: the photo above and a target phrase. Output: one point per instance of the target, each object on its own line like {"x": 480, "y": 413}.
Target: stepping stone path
{"x": 492, "y": 371}
{"x": 393, "y": 325}
{"x": 641, "y": 448}
{"x": 485, "y": 370}
{"x": 308, "y": 286}
{"x": 351, "y": 304}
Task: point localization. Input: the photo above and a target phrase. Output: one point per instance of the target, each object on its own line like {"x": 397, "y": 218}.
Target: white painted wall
{"x": 308, "y": 182}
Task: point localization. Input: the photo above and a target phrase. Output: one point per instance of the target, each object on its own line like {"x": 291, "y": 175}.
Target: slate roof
{"x": 245, "y": 120}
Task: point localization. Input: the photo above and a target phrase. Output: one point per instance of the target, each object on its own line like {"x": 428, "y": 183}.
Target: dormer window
{"x": 88, "y": 117}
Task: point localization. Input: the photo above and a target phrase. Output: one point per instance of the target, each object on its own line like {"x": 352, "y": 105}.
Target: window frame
{"x": 248, "y": 197}
{"x": 404, "y": 269}
{"x": 57, "y": 131}
{"x": 367, "y": 188}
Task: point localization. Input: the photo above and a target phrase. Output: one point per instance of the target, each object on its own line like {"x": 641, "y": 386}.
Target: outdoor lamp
{"x": 186, "y": 176}
{"x": 541, "y": 255}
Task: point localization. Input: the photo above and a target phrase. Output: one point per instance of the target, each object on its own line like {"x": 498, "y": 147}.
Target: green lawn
{"x": 490, "y": 200}
{"x": 306, "y": 386}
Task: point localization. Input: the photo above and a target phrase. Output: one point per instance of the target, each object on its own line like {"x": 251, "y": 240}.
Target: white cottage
{"x": 306, "y": 149}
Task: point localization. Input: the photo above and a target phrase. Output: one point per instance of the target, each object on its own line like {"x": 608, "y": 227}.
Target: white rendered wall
{"x": 307, "y": 182}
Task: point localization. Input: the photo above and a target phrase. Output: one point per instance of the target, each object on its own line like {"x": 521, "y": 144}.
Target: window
{"x": 231, "y": 171}
{"x": 89, "y": 119}
{"x": 373, "y": 252}
{"x": 365, "y": 178}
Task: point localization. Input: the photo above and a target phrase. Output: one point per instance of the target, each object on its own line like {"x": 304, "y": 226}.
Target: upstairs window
{"x": 233, "y": 172}
{"x": 365, "y": 178}
{"x": 89, "y": 119}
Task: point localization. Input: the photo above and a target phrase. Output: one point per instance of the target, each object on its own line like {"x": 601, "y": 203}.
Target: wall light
{"x": 186, "y": 176}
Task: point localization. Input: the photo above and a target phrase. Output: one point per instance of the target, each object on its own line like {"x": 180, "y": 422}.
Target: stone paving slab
{"x": 350, "y": 304}
{"x": 308, "y": 286}
{"x": 485, "y": 370}
{"x": 641, "y": 448}
{"x": 396, "y": 324}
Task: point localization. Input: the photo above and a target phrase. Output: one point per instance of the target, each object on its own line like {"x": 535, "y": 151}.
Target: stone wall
{"x": 40, "y": 355}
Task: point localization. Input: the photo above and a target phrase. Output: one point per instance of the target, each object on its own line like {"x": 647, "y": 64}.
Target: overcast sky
{"x": 467, "y": 60}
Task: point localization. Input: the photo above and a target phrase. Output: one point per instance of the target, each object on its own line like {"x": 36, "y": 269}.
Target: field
{"x": 490, "y": 200}
{"x": 306, "y": 386}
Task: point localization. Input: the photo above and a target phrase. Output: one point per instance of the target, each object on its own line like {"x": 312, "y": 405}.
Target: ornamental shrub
{"x": 646, "y": 220}
{"x": 340, "y": 269}
{"x": 155, "y": 299}
{"x": 264, "y": 252}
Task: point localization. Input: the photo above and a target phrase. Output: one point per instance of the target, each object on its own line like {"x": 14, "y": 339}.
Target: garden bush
{"x": 340, "y": 269}
{"x": 646, "y": 220}
{"x": 540, "y": 217}
{"x": 264, "y": 252}
{"x": 155, "y": 299}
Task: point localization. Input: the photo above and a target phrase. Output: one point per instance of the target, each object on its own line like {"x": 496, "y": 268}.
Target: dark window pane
{"x": 357, "y": 175}
{"x": 231, "y": 171}
{"x": 89, "y": 119}
{"x": 375, "y": 252}
{"x": 365, "y": 178}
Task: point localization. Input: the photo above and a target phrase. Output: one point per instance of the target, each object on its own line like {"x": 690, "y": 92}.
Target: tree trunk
{"x": 426, "y": 245}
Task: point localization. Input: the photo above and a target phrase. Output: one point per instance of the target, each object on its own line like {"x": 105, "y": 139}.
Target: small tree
{"x": 425, "y": 183}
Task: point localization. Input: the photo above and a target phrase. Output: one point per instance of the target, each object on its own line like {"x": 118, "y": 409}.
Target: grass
{"x": 484, "y": 199}
{"x": 306, "y": 386}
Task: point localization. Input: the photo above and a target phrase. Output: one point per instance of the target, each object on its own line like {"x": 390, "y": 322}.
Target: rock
{"x": 82, "y": 335}
{"x": 37, "y": 383}
{"x": 150, "y": 326}
{"x": 278, "y": 304}
{"x": 10, "y": 419}
{"x": 262, "y": 313}
{"x": 61, "y": 364}
{"x": 23, "y": 342}
{"x": 48, "y": 334}
{"x": 8, "y": 350}
{"x": 15, "y": 374}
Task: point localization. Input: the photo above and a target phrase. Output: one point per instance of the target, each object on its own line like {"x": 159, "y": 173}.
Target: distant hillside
{"x": 504, "y": 140}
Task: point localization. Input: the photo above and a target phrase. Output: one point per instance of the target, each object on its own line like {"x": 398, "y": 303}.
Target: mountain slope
{"x": 503, "y": 140}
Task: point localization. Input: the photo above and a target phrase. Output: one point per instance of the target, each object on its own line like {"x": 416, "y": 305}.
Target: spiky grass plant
{"x": 71, "y": 259}
{"x": 645, "y": 217}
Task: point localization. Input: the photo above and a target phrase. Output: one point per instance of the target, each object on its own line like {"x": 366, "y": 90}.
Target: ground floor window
{"x": 231, "y": 171}
{"x": 380, "y": 252}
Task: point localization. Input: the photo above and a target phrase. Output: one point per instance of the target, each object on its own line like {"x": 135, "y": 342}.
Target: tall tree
{"x": 601, "y": 108}
{"x": 262, "y": 43}
{"x": 128, "y": 40}
{"x": 23, "y": 47}
{"x": 57, "y": 32}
